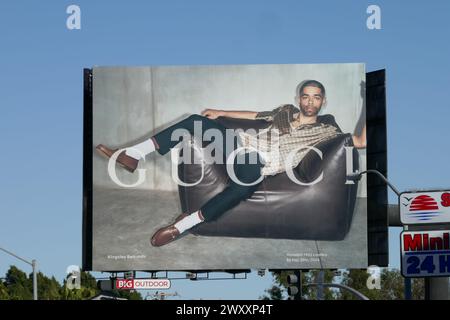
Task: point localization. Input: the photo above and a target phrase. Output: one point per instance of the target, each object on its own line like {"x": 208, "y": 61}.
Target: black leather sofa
{"x": 280, "y": 208}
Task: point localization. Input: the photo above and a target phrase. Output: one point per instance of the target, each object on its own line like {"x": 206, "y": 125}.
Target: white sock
{"x": 188, "y": 222}
{"x": 141, "y": 149}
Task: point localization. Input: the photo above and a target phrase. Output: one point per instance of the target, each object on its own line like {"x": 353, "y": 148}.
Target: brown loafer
{"x": 127, "y": 162}
{"x": 164, "y": 236}
{"x": 167, "y": 234}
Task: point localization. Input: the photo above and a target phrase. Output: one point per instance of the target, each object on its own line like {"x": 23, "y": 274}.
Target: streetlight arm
{"x": 33, "y": 264}
{"x": 16, "y": 256}
{"x": 357, "y": 176}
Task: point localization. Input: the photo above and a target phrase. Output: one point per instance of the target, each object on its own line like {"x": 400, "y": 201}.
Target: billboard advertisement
{"x": 225, "y": 167}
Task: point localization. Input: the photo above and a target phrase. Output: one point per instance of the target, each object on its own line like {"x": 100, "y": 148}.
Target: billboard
{"x": 225, "y": 167}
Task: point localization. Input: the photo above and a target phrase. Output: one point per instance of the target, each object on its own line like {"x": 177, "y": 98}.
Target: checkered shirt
{"x": 275, "y": 148}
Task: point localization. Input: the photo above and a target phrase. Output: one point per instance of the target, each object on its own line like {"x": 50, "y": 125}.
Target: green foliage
{"x": 279, "y": 289}
{"x": 418, "y": 289}
{"x": 19, "y": 286}
{"x": 4, "y": 295}
{"x": 87, "y": 290}
{"x": 273, "y": 293}
{"x": 48, "y": 288}
{"x": 391, "y": 285}
{"x": 88, "y": 281}
{"x": 311, "y": 292}
{"x": 127, "y": 294}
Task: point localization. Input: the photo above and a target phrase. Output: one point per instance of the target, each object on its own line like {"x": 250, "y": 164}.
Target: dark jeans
{"x": 245, "y": 172}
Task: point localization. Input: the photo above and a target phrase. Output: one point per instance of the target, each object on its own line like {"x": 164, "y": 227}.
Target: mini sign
{"x": 138, "y": 284}
{"x": 425, "y": 253}
{"x": 425, "y": 207}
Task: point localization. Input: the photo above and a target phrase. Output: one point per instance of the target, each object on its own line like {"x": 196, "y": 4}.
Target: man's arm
{"x": 360, "y": 141}
{"x": 215, "y": 113}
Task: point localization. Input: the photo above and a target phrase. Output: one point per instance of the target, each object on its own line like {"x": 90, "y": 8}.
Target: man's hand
{"x": 360, "y": 141}
{"x": 213, "y": 113}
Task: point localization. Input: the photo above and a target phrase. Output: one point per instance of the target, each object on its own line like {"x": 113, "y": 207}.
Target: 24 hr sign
{"x": 425, "y": 253}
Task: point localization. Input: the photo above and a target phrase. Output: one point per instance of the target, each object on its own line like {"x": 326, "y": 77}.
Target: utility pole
{"x": 320, "y": 280}
{"x": 33, "y": 264}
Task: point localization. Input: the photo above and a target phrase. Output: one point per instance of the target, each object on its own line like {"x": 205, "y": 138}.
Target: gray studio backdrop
{"x": 132, "y": 103}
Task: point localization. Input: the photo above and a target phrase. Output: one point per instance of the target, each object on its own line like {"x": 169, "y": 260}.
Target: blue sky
{"x": 41, "y": 95}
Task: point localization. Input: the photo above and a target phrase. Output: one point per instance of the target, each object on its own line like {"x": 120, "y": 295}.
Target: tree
{"x": 392, "y": 285}
{"x": 88, "y": 288}
{"x": 418, "y": 289}
{"x": 357, "y": 279}
{"x": 279, "y": 289}
{"x": 312, "y": 291}
{"x": 127, "y": 294}
{"x": 273, "y": 293}
{"x": 48, "y": 288}
{"x": 18, "y": 285}
{"x": 4, "y": 295}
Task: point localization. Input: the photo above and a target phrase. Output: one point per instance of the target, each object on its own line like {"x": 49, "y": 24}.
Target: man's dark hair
{"x": 310, "y": 83}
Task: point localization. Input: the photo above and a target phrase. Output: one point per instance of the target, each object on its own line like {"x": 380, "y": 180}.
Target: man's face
{"x": 311, "y": 100}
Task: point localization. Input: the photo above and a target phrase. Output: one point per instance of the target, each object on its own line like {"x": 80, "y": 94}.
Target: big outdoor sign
{"x": 425, "y": 207}
{"x": 130, "y": 284}
{"x": 425, "y": 253}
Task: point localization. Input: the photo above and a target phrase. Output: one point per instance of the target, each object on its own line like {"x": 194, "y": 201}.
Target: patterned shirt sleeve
{"x": 267, "y": 115}
{"x": 264, "y": 115}
{"x": 329, "y": 119}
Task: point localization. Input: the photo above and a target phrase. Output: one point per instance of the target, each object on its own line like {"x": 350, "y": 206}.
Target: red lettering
{"x": 150, "y": 283}
{"x": 426, "y": 244}
{"x": 412, "y": 244}
{"x": 446, "y": 240}
{"x": 445, "y": 197}
{"x": 436, "y": 243}
{"x": 124, "y": 284}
